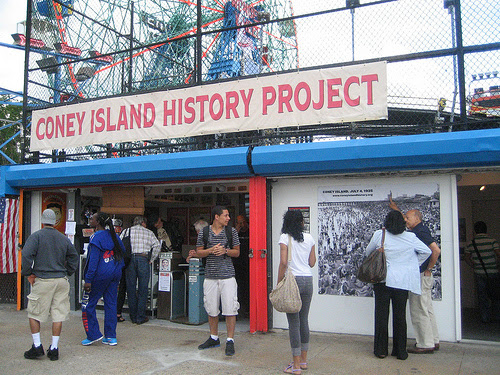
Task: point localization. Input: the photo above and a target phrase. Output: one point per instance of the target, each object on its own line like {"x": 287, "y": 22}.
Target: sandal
{"x": 291, "y": 370}
{"x": 120, "y": 318}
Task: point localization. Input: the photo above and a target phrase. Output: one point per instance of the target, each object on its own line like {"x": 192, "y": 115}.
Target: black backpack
{"x": 229, "y": 236}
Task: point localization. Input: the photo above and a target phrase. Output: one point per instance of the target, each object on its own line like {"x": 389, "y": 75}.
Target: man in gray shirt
{"x": 48, "y": 258}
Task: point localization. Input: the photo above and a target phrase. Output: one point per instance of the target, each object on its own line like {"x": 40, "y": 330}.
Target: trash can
{"x": 196, "y": 312}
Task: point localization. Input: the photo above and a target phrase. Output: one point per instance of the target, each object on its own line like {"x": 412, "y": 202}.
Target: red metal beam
{"x": 258, "y": 263}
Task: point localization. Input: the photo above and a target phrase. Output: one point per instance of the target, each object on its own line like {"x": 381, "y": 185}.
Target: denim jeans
{"x": 488, "y": 309}
{"x": 138, "y": 275}
{"x": 298, "y": 323}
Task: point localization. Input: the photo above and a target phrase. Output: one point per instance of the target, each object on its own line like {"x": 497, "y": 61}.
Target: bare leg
{"x": 296, "y": 362}
{"x": 303, "y": 359}
{"x": 231, "y": 325}
{"x": 213, "y": 322}
{"x": 34, "y": 325}
{"x": 56, "y": 328}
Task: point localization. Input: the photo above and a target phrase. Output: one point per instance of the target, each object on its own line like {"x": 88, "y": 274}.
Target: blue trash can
{"x": 197, "y": 313}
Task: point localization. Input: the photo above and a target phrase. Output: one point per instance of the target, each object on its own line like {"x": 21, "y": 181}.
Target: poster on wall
{"x": 57, "y": 203}
{"x": 347, "y": 218}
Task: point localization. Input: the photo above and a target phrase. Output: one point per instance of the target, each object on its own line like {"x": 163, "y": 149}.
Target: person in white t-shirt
{"x": 303, "y": 259}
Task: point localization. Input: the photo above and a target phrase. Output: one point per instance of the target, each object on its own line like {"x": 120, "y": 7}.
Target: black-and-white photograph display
{"x": 347, "y": 218}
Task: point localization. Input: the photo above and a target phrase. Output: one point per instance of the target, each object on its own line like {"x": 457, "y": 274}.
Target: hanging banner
{"x": 324, "y": 96}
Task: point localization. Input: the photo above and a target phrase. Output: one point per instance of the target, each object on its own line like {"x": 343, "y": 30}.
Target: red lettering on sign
{"x": 268, "y": 98}
{"x": 331, "y": 92}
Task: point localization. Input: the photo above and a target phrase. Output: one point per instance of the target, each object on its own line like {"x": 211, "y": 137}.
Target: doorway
{"x": 182, "y": 205}
{"x": 478, "y": 199}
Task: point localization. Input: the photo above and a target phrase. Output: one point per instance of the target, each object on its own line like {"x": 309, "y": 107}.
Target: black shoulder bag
{"x": 492, "y": 285}
{"x": 374, "y": 267}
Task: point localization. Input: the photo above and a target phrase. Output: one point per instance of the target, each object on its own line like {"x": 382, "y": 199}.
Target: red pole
{"x": 258, "y": 263}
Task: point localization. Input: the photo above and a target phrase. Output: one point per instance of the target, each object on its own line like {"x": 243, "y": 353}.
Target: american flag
{"x": 9, "y": 225}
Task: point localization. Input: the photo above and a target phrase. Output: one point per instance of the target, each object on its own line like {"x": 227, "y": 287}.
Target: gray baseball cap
{"x": 48, "y": 217}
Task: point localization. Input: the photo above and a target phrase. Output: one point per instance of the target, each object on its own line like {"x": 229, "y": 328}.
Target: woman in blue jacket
{"x": 102, "y": 276}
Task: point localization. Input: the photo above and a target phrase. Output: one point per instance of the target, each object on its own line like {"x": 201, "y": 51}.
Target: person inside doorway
{"x": 221, "y": 245}
{"x": 483, "y": 254}
{"x": 241, "y": 265}
{"x": 145, "y": 249}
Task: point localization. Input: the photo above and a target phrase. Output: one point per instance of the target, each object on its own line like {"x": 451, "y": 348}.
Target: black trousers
{"x": 383, "y": 297}
{"x": 122, "y": 289}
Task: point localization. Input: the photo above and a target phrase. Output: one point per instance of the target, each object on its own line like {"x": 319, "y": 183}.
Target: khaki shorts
{"x": 225, "y": 290}
{"x": 49, "y": 297}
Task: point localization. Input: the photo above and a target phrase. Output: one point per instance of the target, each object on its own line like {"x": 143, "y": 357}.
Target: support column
{"x": 258, "y": 247}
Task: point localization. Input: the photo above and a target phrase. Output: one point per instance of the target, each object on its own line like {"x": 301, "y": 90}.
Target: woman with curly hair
{"x": 102, "y": 276}
{"x": 302, "y": 247}
{"x": 404, "y": 252}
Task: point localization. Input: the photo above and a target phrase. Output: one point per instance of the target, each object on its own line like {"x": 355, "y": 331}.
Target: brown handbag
{"x": 374, "y": 267}
{"x": 285, "y": 297}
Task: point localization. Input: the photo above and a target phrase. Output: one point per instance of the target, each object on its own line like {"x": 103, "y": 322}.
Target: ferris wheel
{"x": 148, "y": 44}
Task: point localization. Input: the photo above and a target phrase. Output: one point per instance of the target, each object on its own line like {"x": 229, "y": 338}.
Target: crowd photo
{"x": 348, "y": 217}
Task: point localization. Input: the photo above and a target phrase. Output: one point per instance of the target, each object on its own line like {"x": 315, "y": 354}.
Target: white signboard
{"x": 351, "y": 93}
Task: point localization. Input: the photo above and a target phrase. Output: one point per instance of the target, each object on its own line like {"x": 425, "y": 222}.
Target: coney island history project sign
{"x": 324, "y": 96}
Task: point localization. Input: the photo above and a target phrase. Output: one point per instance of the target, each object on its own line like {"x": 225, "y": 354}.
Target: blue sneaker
{"x": 88, "y": 342}
{"x": 109, "y": 341}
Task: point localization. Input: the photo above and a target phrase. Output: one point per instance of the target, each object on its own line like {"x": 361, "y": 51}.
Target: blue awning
{"x": 195, "y": 165}
{"x": 439, "y": 151}
{"x": 478, "y": 148}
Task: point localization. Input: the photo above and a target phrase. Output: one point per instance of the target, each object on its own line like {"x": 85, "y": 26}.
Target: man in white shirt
{"x": 145, "y": 249}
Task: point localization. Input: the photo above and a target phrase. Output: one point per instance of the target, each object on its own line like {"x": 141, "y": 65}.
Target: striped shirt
{"x": 142, "y": 241}
{"x": 218, "y": 267}
{"x": 486, "y": 247}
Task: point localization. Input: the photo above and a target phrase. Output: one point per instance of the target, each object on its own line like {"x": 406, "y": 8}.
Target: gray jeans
{"x": 298, "y": 323}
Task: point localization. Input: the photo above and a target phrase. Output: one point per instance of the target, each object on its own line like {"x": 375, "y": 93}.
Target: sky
{"x": 11, "y": 60}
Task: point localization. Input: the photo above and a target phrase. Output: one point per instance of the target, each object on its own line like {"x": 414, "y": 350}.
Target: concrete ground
{"x": 163, "y": 347}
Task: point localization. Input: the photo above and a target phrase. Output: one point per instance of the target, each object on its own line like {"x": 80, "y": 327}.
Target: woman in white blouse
{"x": 303, "y": 259}
{"x": 404, "y": 252}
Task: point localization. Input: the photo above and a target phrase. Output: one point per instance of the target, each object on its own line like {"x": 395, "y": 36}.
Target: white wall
{"x": 36, "y": 211}
{"x": 355, "y": 315}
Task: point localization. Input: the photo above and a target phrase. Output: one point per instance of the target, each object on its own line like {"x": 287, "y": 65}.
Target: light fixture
{"x": 48, "y": 65}
{"x": 482, "y": 188}
{"x": 84, "y": 73}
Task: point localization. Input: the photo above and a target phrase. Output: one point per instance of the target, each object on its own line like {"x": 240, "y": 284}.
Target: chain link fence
{"x": 442, "y": 56}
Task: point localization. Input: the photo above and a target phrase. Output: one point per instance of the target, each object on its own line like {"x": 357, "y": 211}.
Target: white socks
{"x": 37, "y": 342}
{"x": 55, "y": 342}
{"x": 36, "y": 339}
